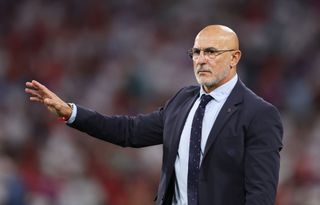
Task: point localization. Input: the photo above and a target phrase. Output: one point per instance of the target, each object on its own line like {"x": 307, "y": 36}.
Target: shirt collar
{"x": 223, "y": 91}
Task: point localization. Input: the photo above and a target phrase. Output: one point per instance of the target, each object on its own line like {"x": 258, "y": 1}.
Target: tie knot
{"x": 205, "y": 99}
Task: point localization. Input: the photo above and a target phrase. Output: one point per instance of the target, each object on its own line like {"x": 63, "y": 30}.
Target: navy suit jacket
{"x": 241, "y": 159}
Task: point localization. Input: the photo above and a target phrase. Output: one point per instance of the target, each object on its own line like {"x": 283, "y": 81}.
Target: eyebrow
{"x": 206, "y": 48}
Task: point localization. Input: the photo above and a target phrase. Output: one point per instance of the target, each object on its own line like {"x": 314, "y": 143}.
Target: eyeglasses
{"x": 210, "y": 52}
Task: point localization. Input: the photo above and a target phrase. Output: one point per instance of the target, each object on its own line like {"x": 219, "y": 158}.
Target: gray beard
{"x": 215, "y": 81}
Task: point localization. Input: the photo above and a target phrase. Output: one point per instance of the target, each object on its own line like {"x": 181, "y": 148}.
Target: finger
{"x": 31, "y": 85}
{"x": 33, "y": 92}
{"x": 36, "y": 99}
{"x": 42, "y": 88}
{"x": 38, "y": 85}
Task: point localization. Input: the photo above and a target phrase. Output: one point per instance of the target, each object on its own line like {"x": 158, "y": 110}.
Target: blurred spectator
{"x": 133, "y": 53}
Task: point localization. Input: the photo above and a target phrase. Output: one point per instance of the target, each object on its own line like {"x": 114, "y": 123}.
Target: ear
{"x": 235, "y": 58}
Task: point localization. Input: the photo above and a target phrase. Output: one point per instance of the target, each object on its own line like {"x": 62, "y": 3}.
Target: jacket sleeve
{"x": 262, "y": 156}
{"x": 126, "y": 131}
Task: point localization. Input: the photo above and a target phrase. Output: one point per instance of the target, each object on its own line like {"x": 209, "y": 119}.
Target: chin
{"x": 206, "y": 82}
{"x": 210, "y": 85}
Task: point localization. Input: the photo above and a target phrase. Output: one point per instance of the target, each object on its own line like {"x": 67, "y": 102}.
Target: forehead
{"x": 215, "y": 41}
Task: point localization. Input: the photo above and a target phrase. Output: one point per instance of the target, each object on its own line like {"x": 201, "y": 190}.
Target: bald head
{"x": 219, "y": 36}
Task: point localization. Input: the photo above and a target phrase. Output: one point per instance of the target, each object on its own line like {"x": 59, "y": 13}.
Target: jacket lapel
{"x": 227, "y": 110}
{"x": 181, "y": 119}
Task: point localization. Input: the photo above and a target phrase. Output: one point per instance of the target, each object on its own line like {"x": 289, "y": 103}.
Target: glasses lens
{"x": 190, "y": 53}
{"x": 210, "y": 52}
{"x": 195, "y": 52}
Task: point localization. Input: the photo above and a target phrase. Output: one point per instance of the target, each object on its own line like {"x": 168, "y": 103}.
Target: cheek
{"x": 194, "y": 65}
{"x": 221, "y": 65}
{"x": 225, "y": 62}
{"x": 194, "y": 68}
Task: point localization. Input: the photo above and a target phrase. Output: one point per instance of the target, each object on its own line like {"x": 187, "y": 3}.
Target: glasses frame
{"x": 209, "y": 52}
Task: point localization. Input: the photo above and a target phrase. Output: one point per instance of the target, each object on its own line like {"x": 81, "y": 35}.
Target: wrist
{"x": 68, "y": 113}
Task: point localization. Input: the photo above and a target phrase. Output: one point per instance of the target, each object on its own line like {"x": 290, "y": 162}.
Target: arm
{"x": 127, "y": 131}
{"x": 142, "y": 130}
{"x": 262, "y": 158}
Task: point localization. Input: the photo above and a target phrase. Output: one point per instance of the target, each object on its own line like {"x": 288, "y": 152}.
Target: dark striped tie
{"x": 195, "y": 151}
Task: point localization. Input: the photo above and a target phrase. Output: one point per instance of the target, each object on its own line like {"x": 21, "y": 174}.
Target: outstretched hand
{"x": 40, "y": 93}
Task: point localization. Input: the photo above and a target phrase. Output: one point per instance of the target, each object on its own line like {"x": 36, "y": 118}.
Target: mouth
{"x": 203, "y": 72}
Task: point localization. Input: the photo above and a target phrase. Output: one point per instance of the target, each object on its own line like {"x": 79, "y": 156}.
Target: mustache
{"x": 202, "y": 68}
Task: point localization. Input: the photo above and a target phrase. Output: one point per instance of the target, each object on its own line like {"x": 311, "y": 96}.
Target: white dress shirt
{"x": 212, "y": 110}
{"x": 72, "y": 118}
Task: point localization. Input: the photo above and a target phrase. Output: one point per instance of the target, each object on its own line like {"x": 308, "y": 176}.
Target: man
{"x": 221, "y": 142}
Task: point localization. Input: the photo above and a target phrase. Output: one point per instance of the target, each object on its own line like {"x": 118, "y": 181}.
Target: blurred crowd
{"x": 129, "y": 57}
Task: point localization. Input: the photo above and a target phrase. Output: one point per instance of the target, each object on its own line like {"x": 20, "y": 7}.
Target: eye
{"x": 196, "y": 51}
{"x": 210, "y": 51}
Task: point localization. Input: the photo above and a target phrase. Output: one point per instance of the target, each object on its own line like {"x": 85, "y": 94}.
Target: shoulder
{"x": 263, "y": 120}
{"x": 258, "y": 107}
{"x": 187, "y": 91}
{"x": 255, "y": 101}
{"x": 183, "y": 94}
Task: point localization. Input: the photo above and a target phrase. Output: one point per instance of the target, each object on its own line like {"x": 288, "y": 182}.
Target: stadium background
{"x": 127, "y": 57}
